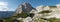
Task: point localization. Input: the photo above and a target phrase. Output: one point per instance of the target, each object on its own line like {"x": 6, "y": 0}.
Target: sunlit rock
{"x": 28, "y": 19}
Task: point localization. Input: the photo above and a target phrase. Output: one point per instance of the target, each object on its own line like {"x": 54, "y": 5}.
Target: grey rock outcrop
{"x": 25, "y": 7}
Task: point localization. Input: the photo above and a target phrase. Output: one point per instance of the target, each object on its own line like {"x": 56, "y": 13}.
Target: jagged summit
{"x": 25, "y": 7}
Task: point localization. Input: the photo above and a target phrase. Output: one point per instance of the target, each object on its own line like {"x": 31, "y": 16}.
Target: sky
{"x": 12, "y": 5}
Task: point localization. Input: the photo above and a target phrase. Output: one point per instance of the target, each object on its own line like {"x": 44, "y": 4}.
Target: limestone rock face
{"x": 25, "y": 7}
{"x": 19, "y": 9}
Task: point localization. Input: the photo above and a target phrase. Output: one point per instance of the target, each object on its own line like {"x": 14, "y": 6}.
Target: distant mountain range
{"x": 5, "y": 14}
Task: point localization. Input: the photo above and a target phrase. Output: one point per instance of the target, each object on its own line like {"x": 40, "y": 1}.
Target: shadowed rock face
{"x": 25, "y": 7}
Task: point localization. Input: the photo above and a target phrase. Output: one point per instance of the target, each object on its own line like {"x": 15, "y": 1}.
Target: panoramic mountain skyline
{"x": 11, "y": 5}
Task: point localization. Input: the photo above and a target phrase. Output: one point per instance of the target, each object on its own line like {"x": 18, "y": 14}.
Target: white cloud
{"x": 57, "y": 4}
{"x": 3, "y": 6}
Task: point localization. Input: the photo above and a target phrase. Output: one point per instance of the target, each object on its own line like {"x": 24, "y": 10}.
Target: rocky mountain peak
{"x": 25, "y": 7}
